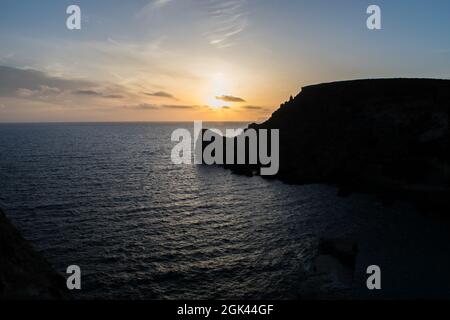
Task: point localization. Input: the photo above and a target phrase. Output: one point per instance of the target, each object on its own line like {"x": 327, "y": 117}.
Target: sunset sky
{"x": 224, "y": 60}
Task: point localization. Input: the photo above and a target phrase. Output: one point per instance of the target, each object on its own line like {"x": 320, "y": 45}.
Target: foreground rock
{"x": 24, "y": 274}
{"x": 332, "y": 271}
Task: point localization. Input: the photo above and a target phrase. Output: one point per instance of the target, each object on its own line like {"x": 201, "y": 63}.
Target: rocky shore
{"x": 389, "y": 137}
{"x": 24, "y": 274}
{"x": 333, "y": 270}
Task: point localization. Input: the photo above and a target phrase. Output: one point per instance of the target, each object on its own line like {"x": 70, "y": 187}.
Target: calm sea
{"x": 108, "y": 198}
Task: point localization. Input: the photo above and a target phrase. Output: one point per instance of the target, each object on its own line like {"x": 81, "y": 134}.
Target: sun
{"x": 219, "y": 87}
{"x": 215, "y": 103}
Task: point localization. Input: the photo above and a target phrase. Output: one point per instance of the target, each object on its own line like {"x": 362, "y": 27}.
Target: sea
{"x": 107, "y": 197}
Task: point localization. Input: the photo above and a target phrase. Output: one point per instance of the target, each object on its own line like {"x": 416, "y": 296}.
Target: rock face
{"x": 386, "y": 136}
{"x": 332, "y": 272}
{"x": 24, "y": 274}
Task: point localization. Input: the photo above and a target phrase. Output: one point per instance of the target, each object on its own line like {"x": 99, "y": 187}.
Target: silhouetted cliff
{"x": 24, "y": 274}
{"x": 387, "y": 136}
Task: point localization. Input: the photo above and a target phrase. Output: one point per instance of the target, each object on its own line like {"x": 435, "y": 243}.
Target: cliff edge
{"x": 24, "y": 274}
{"x": 384, "y": 136}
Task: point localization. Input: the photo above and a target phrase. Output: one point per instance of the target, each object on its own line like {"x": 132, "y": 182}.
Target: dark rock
{"x": 24, "y": 274}
{"x": 344, "y": 250}
{"x": 332, "y": 270}
{"x": 388, "y": 137}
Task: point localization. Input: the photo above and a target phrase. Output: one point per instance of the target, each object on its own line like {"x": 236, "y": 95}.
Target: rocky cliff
{"x": 386, "y": 136}
{"x": 24, "y": 274}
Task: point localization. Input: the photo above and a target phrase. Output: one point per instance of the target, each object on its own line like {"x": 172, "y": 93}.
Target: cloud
{"x": 47, "y": 89}
{"x": 7, "y": 58}
{"x": 148, "y": 106}
{"x": 259, "y": 109}
{"x": 230, "y": 98}
{"x": 227, "y": 19}
{"x": 249, "y": 108}
{"x": 160, "y": 3}
{"x": 23, "y": 92}
{"x": 28, "y": 82}
{"x": 224, "y": 19}
{"x": 142, "y": 106}
{"x": 171, "y": 106}
{"x": 113, "y": 96}
{"x": 150, "y": 7}
{"x": 253, "y": 107}
{"x": 161, "y": 94}
{"x": 93, "y": 93}
{"x": 87, "y": 93}
{"x": 33, "y": 85}
{"x": 42, "y": 91}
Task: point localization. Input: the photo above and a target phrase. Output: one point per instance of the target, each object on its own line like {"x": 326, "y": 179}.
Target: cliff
{"x": 24, "y": 274}
{"x": 386, "y": 136}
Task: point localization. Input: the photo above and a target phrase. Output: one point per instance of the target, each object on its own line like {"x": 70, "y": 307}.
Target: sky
{"x": 211, "y": 60}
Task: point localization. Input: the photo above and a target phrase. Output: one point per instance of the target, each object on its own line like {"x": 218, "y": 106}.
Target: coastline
{"x": 387, "y": 137}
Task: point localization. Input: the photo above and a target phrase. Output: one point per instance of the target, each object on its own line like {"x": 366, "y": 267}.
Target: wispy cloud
{"x": 142, "y": 106}
{"x": 5, "y": 57}
{"x": 228, "y": 98}
{"x": 153, "y": 5}
{"x": 160, "y": 94}
{"x": 113, "y": 96}
{"x": 223, "y": 20}
{"x": 174, "y": 106}
{"x": 28, "y": 82}
{"x": 87, "y": 93}
{"x": 249, "y": 108}
{"x": 93, "y": 93}
{"x": 259, "y": 109}
{"x": 40, "y": 92}
{"x": 227, "y": 18}
{"x": 160, "y": 3}
{"x": 34, "y": 85}
{"x": 253, "y": 108}
{"x": 149, "y": 106}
